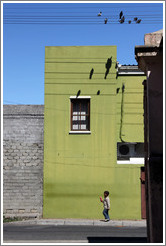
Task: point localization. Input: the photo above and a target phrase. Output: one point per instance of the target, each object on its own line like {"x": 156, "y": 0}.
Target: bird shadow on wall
{"x": 108, "y": 66}
{"x": 91, "y": 73}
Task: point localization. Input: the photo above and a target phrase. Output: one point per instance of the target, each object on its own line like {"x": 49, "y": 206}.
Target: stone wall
{"x": 23, "y": 160}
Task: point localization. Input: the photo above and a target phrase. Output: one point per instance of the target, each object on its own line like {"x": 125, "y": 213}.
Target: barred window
{"x": 80, "y": 114}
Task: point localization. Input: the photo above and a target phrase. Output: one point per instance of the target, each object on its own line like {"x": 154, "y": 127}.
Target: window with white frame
{"x": 80, "y": 114}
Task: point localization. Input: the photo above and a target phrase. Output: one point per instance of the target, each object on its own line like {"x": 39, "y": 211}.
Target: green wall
{"x": 130, "y": 108}
{"x": 79, "y": 167}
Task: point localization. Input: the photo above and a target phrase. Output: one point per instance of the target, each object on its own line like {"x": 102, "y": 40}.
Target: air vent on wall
{"x": 125, "y": 150}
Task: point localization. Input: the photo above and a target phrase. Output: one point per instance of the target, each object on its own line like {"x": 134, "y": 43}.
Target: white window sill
{"x": 80, "y": 132}
{"x": 132, "y": 161}
{"x": 80, "y": 97}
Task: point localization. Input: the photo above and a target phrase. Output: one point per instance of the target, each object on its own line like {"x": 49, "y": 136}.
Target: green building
{"x": 93, "y": 133}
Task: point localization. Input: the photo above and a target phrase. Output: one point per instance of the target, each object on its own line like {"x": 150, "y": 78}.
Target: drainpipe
{"x": 121, "y": 121}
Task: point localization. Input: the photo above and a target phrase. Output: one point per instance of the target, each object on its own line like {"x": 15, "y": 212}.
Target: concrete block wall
{"x": 23, "y": 127}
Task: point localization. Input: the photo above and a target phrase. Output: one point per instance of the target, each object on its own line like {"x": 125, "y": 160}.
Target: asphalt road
{"x": 67, "y": 234}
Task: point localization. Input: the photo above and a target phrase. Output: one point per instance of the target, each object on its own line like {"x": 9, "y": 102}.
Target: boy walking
{"x": 106, "y": 203}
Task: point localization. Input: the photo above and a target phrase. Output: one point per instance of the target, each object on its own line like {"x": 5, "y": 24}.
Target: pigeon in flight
{"x": 138, "y": 21}
{"x": 120, "y": 15}
{"x": 105, "y": 21}
{"x": 99, "y": 14}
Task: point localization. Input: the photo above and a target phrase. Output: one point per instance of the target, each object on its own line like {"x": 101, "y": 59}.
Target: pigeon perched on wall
{"x": 135, "y": 19}
{"x": 129, "y": 21}
{"x": 99, "y": 14}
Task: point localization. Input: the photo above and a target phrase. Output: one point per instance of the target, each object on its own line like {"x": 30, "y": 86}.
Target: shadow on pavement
{"x": 117, "y": 239}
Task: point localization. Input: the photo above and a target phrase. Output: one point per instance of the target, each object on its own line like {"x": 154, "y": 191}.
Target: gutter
{"x": 147, "y": 49}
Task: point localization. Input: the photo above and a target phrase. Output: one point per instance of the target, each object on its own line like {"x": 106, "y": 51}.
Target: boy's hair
{"x": 107, "y": 192}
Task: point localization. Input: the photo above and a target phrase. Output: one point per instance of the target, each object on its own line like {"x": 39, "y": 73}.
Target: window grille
{"x": 80, "y": 114}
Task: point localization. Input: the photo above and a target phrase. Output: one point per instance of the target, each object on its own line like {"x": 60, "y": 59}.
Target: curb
{"x": 46, "y": 241}
{"x": 79, "y": 222}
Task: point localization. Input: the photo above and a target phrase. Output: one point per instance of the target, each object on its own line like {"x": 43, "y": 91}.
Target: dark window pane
{"x": 80, "y": 118}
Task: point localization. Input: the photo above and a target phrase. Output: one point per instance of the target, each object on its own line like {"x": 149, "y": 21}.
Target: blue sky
{"x": 29, "y": 27}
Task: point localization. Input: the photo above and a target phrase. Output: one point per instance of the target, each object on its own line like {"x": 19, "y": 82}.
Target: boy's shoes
{"x": 106, "y": 220}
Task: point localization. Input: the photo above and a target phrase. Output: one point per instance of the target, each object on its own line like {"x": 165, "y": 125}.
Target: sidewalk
{"x": 81, "y": 222}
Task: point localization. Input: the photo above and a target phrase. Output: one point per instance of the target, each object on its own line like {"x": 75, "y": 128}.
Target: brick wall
{"x": 23, "y": 160}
